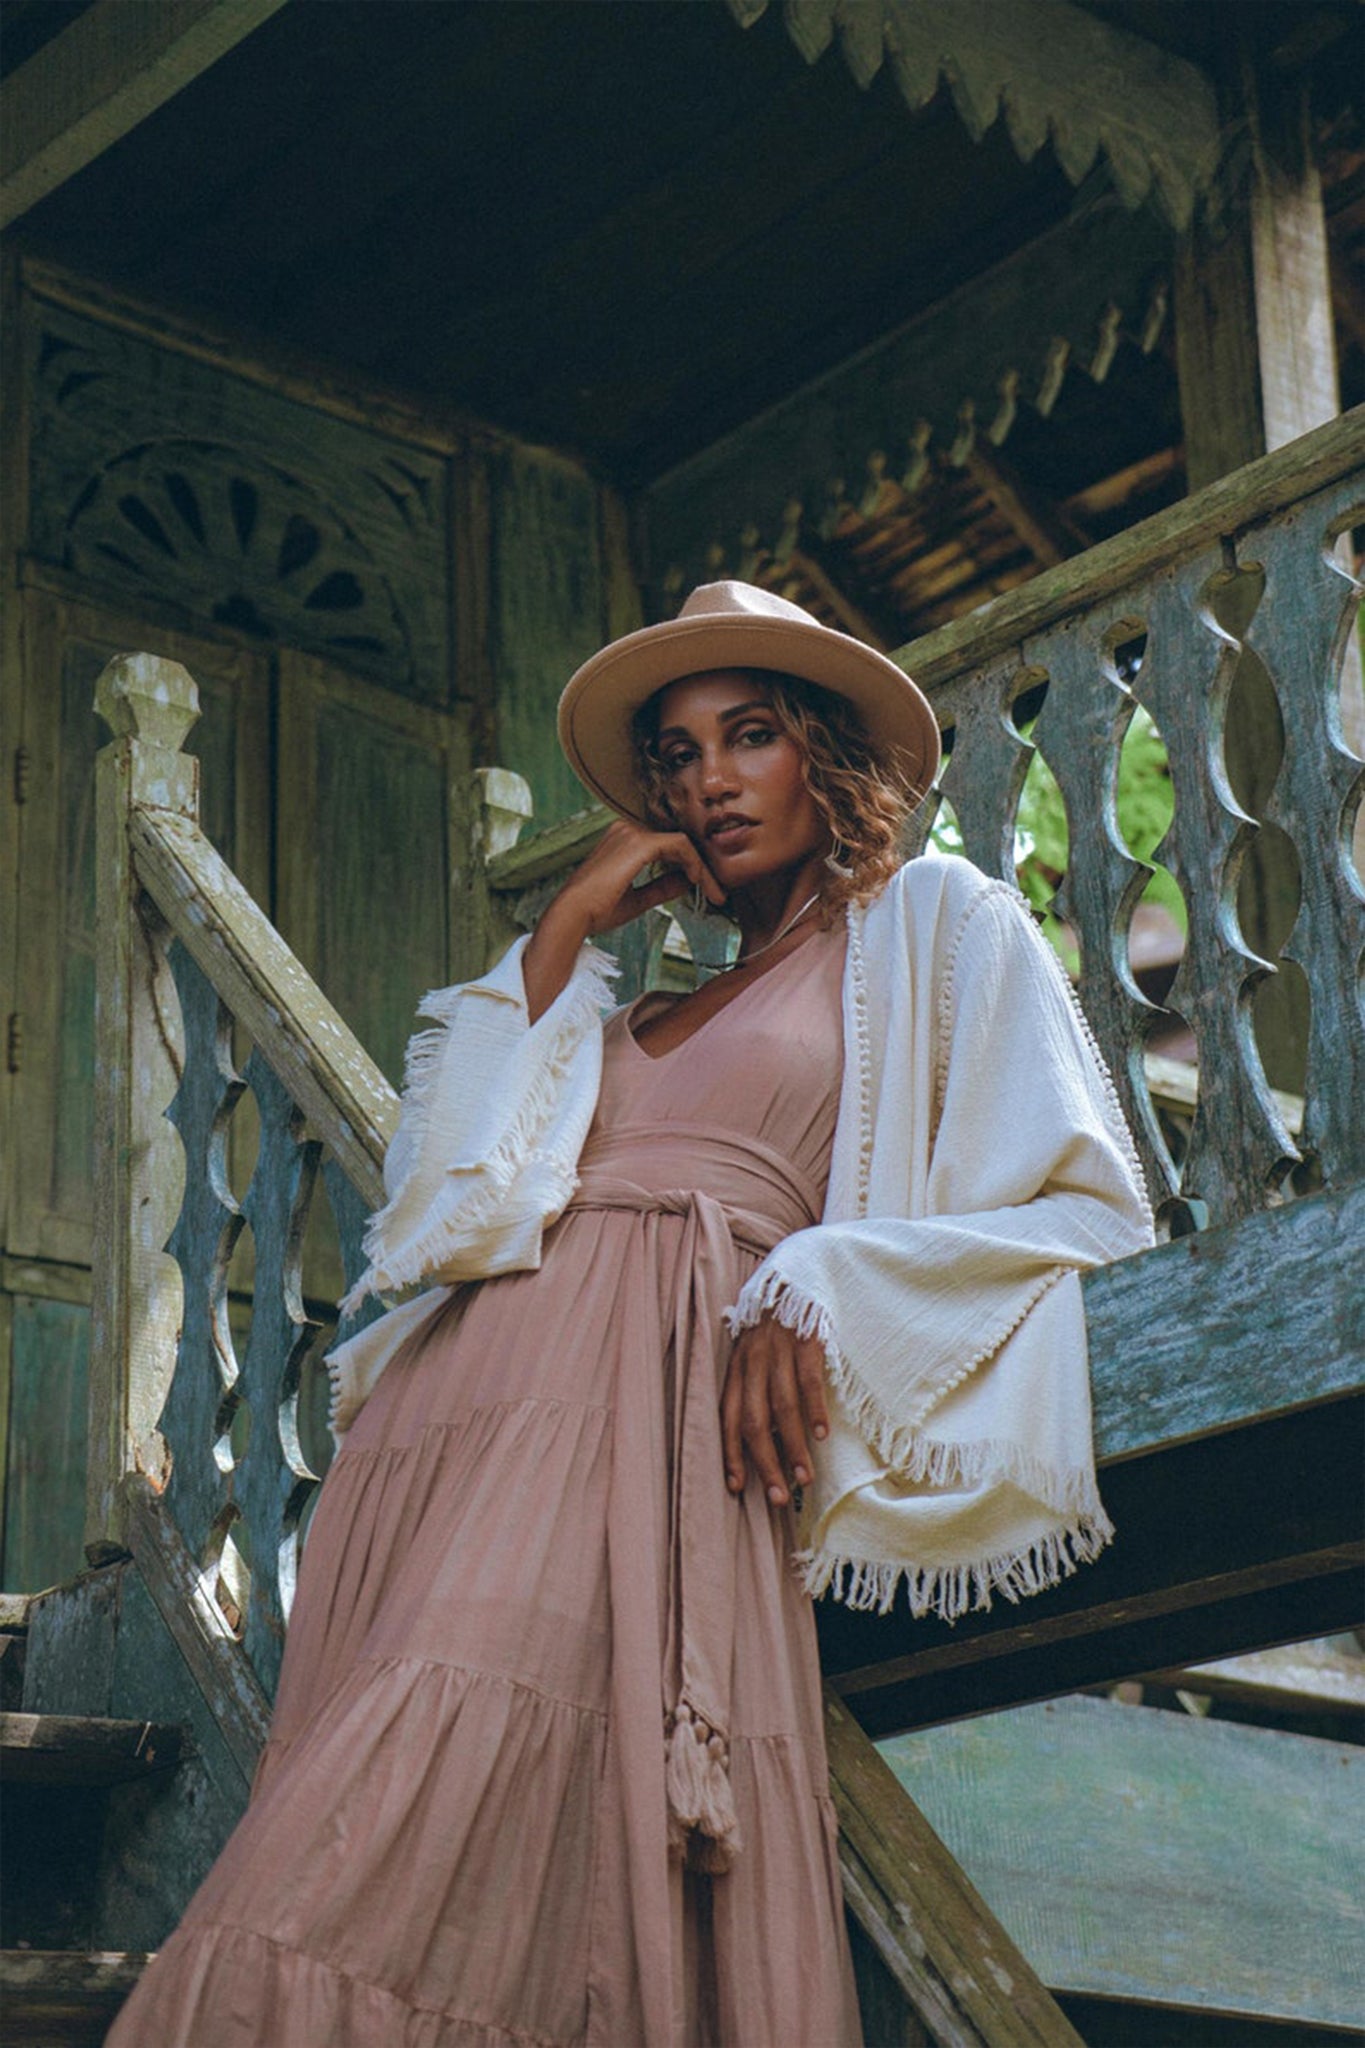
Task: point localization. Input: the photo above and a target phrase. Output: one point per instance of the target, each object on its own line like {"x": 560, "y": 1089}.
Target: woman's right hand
{"x": 602, "y": 894}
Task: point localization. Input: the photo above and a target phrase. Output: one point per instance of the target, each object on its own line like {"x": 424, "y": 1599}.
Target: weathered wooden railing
{"x": 1227, "y": 1362}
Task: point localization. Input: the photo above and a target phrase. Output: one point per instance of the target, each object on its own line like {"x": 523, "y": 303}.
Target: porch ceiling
{"x": 623, "y": 229}
{"x": 628, "y": 229}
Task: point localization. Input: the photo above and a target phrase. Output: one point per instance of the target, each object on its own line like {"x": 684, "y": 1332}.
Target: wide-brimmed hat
{"x": 735, "y": 625}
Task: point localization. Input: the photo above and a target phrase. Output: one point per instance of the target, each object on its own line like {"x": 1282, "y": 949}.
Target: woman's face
{"x": 734, "y": 777}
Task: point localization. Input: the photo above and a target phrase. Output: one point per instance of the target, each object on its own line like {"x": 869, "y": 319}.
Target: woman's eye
{"x": 674, "y": 762}
{"x": 757, "y": 736}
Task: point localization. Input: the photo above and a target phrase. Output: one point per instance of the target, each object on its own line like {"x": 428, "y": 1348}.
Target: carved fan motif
{"x": 245, "y": 545}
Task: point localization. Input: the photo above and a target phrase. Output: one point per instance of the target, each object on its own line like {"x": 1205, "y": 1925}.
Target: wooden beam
{"x": 1222, "y": 508}
{"x": 88, "y": 86}
{"x": 1046, "y": 531}
{"x": 307, "y": 1044}
{"x": 1202, "y": 1388}
{"x": 1234, "y": 1543}
{"x": 83, "y": 1749}
{"x": 1299, "y": 1678}
{"x": 219, "y": 1666}
{"x": 851, "y": 615}
{"x": 1256, "y": 362}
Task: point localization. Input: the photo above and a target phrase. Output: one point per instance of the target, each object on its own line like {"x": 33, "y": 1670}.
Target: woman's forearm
{"x": 548, "y": 961}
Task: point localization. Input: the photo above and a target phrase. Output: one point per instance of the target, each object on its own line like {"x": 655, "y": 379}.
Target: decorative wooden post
{"x": 499, "y": 804}
{"x": 150, "y": 705}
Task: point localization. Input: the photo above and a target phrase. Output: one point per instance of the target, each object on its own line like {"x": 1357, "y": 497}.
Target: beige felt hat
{"x": 734, "y": 625}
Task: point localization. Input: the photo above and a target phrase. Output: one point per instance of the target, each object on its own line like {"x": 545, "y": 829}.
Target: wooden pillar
{"x": 1256, "y": 361}
{"x": 136, "y": 1296}
{"x": 499, "y": 805}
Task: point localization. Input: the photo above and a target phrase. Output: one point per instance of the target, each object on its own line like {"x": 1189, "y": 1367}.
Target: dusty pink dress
{"x": 524, "y": 1559}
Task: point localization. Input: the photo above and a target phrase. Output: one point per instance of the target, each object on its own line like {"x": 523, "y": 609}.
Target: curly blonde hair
{"x": 864, "y": 800}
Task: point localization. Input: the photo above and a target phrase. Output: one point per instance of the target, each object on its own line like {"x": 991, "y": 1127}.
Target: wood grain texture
{"x": 67, "y": 645}
{"x": 1152, "y": 1855}
{"x": 99, "y": 77}
{"x": 219, "y": 1668}
{"x": 44, "y": 1522}
{"x": 63, "y": 1995}
{"x": 1225, "y": 507}
{"x": 1225, "y": 1543}
{"x": 152, "y": 473}
{"x": 1229, "y": 1325}
{"x": 962, "y": 1977}
{"x": 80, "y": 1749}
{"x": 136, "y": 1300}
{"x": 315, "y": 1055}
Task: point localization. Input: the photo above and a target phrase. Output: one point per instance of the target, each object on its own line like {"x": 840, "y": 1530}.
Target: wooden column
{"x": 499, "y": 805}
{"x": 1256, "y": 361}
{"x": 136, "y": 1297}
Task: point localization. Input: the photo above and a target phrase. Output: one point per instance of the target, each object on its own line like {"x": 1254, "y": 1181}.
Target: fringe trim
{"x": 950, "y": 1591}
{"x": 589, "y": 994}
{"x": 703, "y": 1827}
{"x": 901, "y": 1443}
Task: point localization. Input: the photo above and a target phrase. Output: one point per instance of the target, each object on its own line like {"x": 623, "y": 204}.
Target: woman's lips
{"x": 729, "y": 838}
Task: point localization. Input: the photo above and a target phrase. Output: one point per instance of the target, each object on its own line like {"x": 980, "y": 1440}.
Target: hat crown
{"x": 735, "y": 600}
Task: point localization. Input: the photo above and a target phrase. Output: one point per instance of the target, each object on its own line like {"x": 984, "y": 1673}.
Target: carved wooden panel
{"x": 67, "y": 646}
{"x": 155, "y": 474}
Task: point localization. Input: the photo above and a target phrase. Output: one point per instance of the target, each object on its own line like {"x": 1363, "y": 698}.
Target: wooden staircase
{"x": 1229, "y": 1379}
{"x": 57, "y": 1771}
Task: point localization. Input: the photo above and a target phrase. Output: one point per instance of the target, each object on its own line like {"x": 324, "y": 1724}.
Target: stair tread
{"x": 67, "y": 1995}
{"x": 83, "y": 1749}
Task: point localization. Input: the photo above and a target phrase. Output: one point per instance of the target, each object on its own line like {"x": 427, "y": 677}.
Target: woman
{"x": 547, "y": 1764}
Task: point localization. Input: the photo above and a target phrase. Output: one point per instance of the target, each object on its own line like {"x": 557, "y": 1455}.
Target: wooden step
{"x": 63, "y": 1998}
{"x": 62, "y": 1749}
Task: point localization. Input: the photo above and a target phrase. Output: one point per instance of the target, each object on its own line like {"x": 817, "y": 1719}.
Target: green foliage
{"x": 1144, "y": 804}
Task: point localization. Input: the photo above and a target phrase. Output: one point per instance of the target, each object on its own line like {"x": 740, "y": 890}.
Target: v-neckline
{"x": 715, "y": 1015}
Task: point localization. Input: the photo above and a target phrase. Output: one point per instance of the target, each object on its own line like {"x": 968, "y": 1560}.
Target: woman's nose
{"x": 717, "y": 778}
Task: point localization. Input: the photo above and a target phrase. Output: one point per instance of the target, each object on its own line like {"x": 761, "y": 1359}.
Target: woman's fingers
{"x": 731, "y": 1419}
{"x": 773, "y": 1395}
{"x": 810, "y": 1376}
{"x": 757, "y": 1418}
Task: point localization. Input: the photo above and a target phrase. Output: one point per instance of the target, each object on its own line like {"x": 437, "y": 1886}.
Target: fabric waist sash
{"x": 729, "y": 1191}
{"x": 668, "y": 1167}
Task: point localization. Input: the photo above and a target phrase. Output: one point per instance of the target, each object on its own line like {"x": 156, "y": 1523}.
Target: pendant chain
{"x": 743, "y": 959}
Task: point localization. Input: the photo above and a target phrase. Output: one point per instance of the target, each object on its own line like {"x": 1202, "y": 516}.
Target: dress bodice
{"x": 766, "y": 1068}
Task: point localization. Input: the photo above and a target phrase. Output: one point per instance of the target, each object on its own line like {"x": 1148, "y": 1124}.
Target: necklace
{"x": 743, "y": 959}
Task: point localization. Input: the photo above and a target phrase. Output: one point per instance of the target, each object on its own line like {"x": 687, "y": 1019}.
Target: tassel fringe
{"x": 703, "y": 1827}
{"x": 950, "y": 1591}
{"x": 913, "y": 1455}
{"x": 391, "y": 1269}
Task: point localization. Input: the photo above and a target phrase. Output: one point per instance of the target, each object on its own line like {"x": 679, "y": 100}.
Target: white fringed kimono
{"x": 980, "y": 1162}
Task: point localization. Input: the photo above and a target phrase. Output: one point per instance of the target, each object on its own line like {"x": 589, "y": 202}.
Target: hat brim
{"x": 602, "y": 697}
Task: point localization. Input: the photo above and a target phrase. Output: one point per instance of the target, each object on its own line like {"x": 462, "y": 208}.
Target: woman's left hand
{"x": 773, "y": 1402}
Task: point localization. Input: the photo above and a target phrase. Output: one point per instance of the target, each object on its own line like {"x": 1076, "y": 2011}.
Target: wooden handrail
{"x": 307, "y": 1044}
